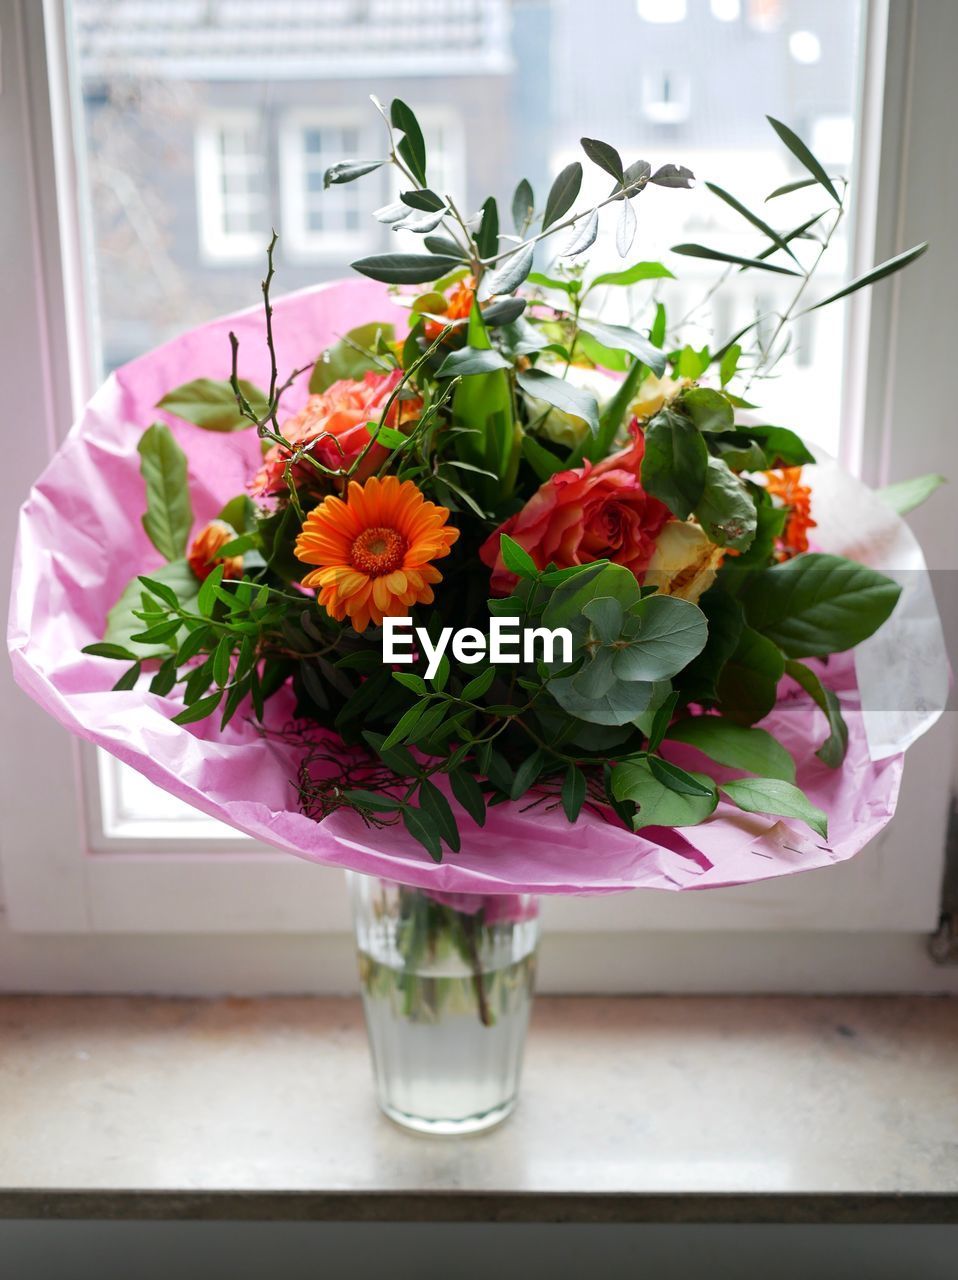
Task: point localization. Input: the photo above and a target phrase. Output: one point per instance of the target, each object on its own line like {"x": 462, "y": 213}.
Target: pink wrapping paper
{"x": 81, "y": 541}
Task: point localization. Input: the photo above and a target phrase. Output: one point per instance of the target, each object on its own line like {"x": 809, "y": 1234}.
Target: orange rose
{"x": 203, "y": 558}
{"x": 336, "y": 421}
{"x": 592, "y": 513}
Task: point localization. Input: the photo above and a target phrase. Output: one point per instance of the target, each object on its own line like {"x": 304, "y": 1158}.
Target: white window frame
{"x": 217, "y": 244}
{"x": 60, "y": 875}
{"x": 302, "y": 243}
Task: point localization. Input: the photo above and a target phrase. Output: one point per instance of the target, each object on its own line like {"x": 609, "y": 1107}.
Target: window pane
{"x": 218, "y": 119}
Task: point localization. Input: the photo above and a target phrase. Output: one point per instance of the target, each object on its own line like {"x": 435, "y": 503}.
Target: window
{"x": 666, "y": 98}
{"x": 102, "y": 195}
{"x": 318, "y": 222}
{"x": 231, "y": 187}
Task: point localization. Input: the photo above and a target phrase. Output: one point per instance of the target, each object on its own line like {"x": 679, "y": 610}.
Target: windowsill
{"x": 685, "y": 1109}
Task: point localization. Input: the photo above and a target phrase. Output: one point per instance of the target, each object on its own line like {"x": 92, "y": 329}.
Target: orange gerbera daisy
{"x": 374, "y": 551}
{"x": 785, "y": 484}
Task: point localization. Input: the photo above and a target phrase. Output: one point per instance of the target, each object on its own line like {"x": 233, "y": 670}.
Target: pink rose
{"x": 598, "y": 512}
{"x": 336, "y": 420}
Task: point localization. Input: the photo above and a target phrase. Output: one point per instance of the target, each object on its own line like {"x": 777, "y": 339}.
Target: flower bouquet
{"x": 454, "y": 582}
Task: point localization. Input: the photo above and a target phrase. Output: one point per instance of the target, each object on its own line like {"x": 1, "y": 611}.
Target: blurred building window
{"x": 332, "y": 222}
{"x": 231, "y": 186}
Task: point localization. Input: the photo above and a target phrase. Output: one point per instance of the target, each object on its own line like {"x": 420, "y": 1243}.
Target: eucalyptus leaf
{"x": 671, "y": 633}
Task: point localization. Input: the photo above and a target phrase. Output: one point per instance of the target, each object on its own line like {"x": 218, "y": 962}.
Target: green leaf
{"x": 212, "y": 405}
{"x": 373, "y": 800}
{"x": 388, "y": 437}
{"x": 632, "y": 275}
{"x": 563, "y": 193}
{"x": 414, "y": 152}
{"x": 783, "y": 448}
{"x": 405, "y": 268}
{"x": 421, "y": 826}
{"x": 479, "y": 685}
{"x": 619, "y": 705}
{"x": 349, "y": 171}
{"x": 710, "y": 410}
{"x": 526, "y": 774}
{"x": 435, "y": 804}
{"x": 542, "y": 460}
{"x": 221, "y": 660}
{"x": 469, "y": 794}
{"x": 729, "y": 363}
{"x": 411, "y": 681}
{"x": 753, "y": 218}
{"x": 773, "y": 796}
{"x": 661, "y": 717}
{"x": 605, "y": 156}
{"x": 671, "y": 633}
{"x": 725, "y": 621}
{"x": 573, "y": 792}
{"x": 657, "y": 804}
{"x": 672, "y": 175}
{"x": 516, "y": 559}
{"x": 717, "y": 255}
{"x": 906, "y": 495}
{"x": 128, "y": 679}
{"x": 502, "y": 312}
{"x": 200, "y": 709}
{"x": 801, "y": 153}
{"x": 169, "y": 514}
{"x": 736, "y": 746}
{"x": 523, "y": 206}
{"x": 606, "y": 616}
{"x": 678, "y": 780}
{"x": 207, "y": 597}
{"x": 425, "y": 200}
{"x": 239, "y": 513}
{"x": 747, "y": 685}
{"x": 574, "y": 591}
{"x": 625, "y": 229}
{"x": 509, "y": 274}
{"x": 351, "y": 356}
{"x": 121, "y": 622}
{"x": 583, "y": 236}
{"x": 104, "y": 650}
{"x": 789, "y": 187}
{"x": 871, "y": 277}
{"x": 726, "y": 510}
{"x": 487, "y": 237}
{"x": 562, "y": 395}
{"x": 468, "y": 361}
{"x": 621, "y": 338}
{"x": 815, "y": 604}
{"x": 165, "y": 679}
{"x": 429, "y": 723}
{"x": 832, "y": 751}
{"x": 405, "y": 724}
{"x": 675, "y": 464}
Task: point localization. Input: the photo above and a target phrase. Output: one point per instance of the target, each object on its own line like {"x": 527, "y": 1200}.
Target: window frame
{"x": 217, "y": 245}
{"x": 62, "y": 874}
{"x": 302, "y": 244}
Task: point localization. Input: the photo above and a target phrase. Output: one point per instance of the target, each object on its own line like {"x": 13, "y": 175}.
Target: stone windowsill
{"x": 704, "y": 1109}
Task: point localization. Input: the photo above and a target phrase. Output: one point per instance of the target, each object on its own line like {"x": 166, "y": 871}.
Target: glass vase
{"x": 447, "y": 983}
